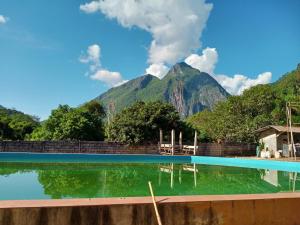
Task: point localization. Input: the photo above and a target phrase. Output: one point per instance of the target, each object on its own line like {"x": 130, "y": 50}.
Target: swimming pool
{"x": 61, "y": 176}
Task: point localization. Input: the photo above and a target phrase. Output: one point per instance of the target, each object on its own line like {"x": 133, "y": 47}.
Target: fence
{"x": 214, "y": 149}
{"x": 76, "y": 147}
{"x": 204, "y": 149}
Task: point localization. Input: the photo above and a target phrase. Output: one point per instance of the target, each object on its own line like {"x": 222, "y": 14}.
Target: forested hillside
{"x": 236, "y": 119}
{"x": 15, "y": 125}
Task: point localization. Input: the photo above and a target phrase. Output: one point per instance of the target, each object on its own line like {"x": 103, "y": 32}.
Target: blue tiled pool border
{"x": 248, "y": 163}
{"x": 101, "y": 158}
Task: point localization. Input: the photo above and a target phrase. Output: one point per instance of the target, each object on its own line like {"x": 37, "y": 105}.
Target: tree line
{"x": 237, "y": 118}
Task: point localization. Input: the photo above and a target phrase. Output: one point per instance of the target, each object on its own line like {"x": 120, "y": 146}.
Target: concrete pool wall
{"x": 273, "y": 209}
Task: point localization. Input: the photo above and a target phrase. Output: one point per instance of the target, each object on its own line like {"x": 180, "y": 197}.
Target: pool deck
{"x": 4, "y": 204}
{"x": 283, "y": 159}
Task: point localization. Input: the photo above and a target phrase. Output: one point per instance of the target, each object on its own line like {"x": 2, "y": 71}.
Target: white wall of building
{"x": 269, "y": 138}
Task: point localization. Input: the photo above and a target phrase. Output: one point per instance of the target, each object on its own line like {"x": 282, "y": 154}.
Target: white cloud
{"x": 92, "y": 57}
{"x": 90, "y": 7}
{"x": 238, "y": 83}
{"x": 205, "y": 62}
{"x": 110, "y": 78}
{"x": 93, "y": 54}
{"x": 3, "y": 19}
{"x": 175, "y": 25}
{"x": 234, "y": 85}
{"x": 96, "y": 72}
{"x": 158, "y": 70}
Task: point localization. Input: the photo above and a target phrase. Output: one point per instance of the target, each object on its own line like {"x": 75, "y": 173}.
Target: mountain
{"x": 188, "y": 89}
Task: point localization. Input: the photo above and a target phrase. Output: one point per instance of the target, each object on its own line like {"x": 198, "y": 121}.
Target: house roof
{"x": 278, "y": 128}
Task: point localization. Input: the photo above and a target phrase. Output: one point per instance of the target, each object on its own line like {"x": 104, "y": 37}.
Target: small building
{"x": 275, "y": 138}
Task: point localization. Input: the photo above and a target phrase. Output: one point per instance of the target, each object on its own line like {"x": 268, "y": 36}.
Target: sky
{"x": 70, "y": 51}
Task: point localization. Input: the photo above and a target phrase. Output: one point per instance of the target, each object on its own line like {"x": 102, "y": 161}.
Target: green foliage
{"x": 236, "y": 119}
{"x": 66, "y": 123}
{"x": 15, "y": 125}
{"x": 141, "y": 122}
{"x": 62, "y": 183}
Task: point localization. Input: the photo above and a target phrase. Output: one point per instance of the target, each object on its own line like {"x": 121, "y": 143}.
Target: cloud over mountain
{"x": 158, "y": 69}
{"x": 233, "y": 84}
{"x": 96, "y": 72}
{"x": 175, "y": 25}
{"x": 238, "y": 83}
{"x": 205, "y": 62}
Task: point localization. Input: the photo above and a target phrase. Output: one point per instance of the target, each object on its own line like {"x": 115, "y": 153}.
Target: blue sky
{"x": 42, "y": 41}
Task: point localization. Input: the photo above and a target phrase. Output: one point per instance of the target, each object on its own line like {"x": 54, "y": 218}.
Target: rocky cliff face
{"x": 188, "y": 89}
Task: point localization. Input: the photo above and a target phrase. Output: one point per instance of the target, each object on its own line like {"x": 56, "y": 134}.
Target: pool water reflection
{"x": 79, "y": 180}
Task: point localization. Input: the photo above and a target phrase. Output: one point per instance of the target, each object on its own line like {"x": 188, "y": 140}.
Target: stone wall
{"x": 75, "y": 147}
{"x": 204, "y": 149}
{"x": 215, "y": 149}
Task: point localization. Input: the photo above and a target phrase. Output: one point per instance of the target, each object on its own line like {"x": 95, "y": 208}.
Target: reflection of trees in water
{"x": 129, "y": 180}
{"x": 69, "y": 183}
{"x": 121, "y": 180}
{"x": 7, "y": 169}
{"x": 98, "y": 181}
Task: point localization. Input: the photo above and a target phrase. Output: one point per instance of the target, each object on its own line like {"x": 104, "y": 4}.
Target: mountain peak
{"x": 186, "y": 88}
{"x": 182, "y": 64}
{"x": 179, "y": 69}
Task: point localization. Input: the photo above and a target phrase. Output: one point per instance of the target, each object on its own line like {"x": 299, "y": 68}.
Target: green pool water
{"x": 97, "y": 180}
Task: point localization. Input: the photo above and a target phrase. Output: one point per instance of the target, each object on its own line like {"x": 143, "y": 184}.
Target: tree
{"x": 141, "y": 122}
{"x": 237, "y": 118}
{"x": 66, "y": 123}
{"x": 15, "y": 125}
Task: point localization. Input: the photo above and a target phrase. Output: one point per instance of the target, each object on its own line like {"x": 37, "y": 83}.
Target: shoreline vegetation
{"x": 233, "y": 120}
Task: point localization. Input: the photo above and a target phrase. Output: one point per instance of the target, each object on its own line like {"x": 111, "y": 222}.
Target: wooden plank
{"x": 154, "y": 204}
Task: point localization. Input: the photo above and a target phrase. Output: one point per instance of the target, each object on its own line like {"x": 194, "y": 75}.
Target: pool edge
{"x": 78, "y": 202}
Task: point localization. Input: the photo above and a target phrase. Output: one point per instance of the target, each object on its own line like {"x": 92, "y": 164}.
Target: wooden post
{"x": 160, "y": 139}
{"x": 160, "y": 136}
{"x": 173, "y": 141}
{"x": 172, "y": 175}
{"x": 195, "y": 142}
{"x": 195, "y": 175}
{"x": 154, "y": 204}
{"x": 288, "y": 129}
{"x": 180, "y": 141}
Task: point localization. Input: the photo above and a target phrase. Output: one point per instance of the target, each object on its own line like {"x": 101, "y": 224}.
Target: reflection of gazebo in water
{"x": 170, "y": 169}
